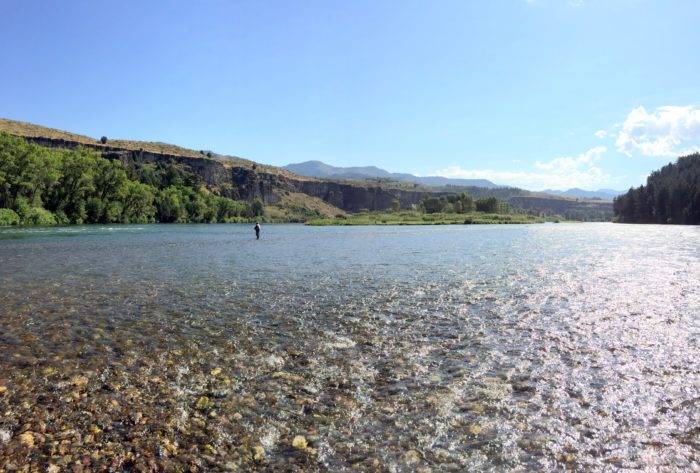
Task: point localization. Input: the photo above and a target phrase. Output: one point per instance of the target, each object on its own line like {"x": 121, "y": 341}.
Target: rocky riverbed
{"x": 195, "y": 348}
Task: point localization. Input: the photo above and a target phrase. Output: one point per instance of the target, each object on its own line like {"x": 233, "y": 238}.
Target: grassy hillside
{"x": 30, "y": 130}
{"x": 25, "y": 129}
{"x": 298, "y": 207}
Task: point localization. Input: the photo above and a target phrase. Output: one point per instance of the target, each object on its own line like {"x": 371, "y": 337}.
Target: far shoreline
{"x": 324, "y": 222}
{"x": 419, "y": 218}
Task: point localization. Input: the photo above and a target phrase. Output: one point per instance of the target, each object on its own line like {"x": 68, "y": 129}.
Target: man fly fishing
{"x": 257, "y": 230}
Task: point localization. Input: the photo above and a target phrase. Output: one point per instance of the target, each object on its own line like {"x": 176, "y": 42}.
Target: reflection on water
{"x": 380, "y": 348}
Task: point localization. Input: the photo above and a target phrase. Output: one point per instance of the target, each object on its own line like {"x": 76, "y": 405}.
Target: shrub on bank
{"x": 39, "y": 216}
{"x": 8, "y": 217}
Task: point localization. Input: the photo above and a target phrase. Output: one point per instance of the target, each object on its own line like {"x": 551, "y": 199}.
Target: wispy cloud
{"x": 559, "y": 173}
{"x": 667, "y": 131}
{"x": 601, "y": 134}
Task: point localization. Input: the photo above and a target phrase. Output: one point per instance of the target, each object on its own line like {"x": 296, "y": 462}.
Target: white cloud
{"x": 667, "y": 131}
{"x": 601, "y": 134}
{"x": 559, "y": 173}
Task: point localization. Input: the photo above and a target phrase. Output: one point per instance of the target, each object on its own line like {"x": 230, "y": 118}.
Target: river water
{"x": 446, "y": 348}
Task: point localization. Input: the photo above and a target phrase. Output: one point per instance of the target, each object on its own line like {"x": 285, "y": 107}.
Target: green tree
{"x": 196, "y": 207}
{"x": 170, "y": 206}
{"x": 137, "y": 202}
{"x": 256, "y": 208}
{"x": 487, "y": 204}
{"x": 432, "y": 205}
{"x": 38, "y": 216}
{"x": 228, "y": 209}
{"x": 26, "y": 170}
{"x": 466, "y": 202}
{"x": 95, "y": 210}
{"x": 8, "y": 217}
{"x": 149, "y": 174}
{"x": 211, "y": 212}
{"x": 75, "y": 185}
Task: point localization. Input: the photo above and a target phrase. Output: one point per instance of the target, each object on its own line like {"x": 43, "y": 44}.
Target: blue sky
{"x": 534, "y": 93}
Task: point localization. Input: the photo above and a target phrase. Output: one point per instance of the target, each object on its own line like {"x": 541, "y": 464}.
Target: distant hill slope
{"x": 31, "y": 130}
{"x": 602, "y": 194}
{"x": 39, "y": 132}
{"x": 322, "y": 170}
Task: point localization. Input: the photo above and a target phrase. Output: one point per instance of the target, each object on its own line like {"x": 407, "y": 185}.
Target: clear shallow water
{"x": 549, "y": 347}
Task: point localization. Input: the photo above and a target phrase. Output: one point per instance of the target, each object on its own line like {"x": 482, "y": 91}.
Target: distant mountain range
{"x": 323, "y": 170}
{"x": 602, "y": 194}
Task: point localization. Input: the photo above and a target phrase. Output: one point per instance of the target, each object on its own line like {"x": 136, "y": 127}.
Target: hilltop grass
{"x": 417, "y": 218}
{"x": 30, "y": 130}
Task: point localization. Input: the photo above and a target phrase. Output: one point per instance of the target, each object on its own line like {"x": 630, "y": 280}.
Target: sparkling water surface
{"x": 443, "y": 348}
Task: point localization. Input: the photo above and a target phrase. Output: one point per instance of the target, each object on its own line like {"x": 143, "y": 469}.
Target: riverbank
{"x": 417, "y": 218}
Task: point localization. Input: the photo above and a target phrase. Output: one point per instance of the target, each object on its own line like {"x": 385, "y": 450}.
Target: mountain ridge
{"x": 578, "y": 193}
{"x": 321, "y": 170}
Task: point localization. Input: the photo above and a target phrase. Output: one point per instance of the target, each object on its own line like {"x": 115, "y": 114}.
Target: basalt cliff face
{"x": 258, "y": 182}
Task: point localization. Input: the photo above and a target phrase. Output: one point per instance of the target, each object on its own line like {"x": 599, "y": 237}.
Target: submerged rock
{"x": 300, "y": 443}
{"x": 475, "y": 429}
{"x": 27, "y": 439}
{"x": 202, "y": 403}
{"x": 412, "y": 457}
{"x": 258, "y": 453}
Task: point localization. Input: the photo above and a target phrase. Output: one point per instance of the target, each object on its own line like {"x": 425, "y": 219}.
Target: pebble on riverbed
{"x": 412, "y": 457}
{"x": 300, "y": 443}
{"x": 258, "y": 453}
{"x": 27, "y": 439}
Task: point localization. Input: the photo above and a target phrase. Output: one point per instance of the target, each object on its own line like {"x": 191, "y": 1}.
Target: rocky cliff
{"x": 258, "y": 182}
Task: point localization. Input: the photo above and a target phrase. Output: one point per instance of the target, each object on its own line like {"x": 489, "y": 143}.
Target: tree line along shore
{"x": 671, "y": 195}
{"x": 49, "y": 186}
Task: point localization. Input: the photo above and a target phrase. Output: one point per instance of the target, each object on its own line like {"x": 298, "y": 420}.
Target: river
{"x": 443, "y": 348}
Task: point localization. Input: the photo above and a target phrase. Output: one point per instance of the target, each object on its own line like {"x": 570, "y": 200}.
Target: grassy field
{"x": 417, "y": 218}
